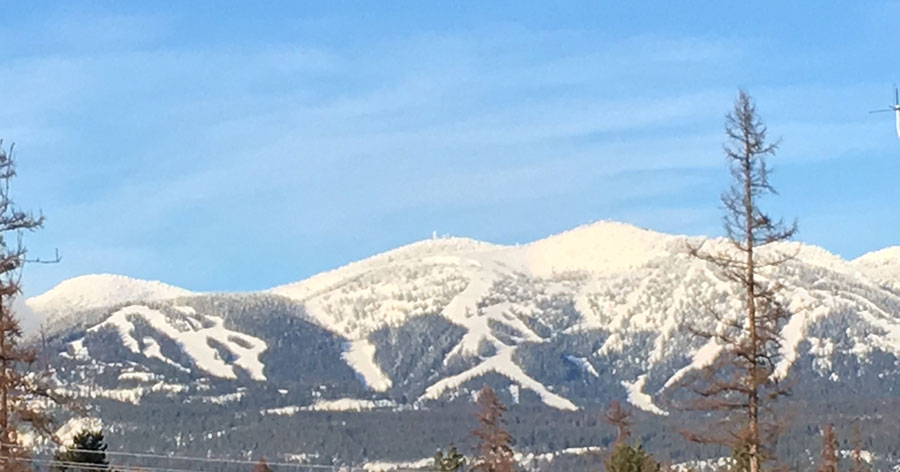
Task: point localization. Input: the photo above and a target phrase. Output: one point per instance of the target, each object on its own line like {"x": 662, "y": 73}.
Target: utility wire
{"x": 176, "y": 457}
{"x": 95, "y": 467}
{"x": 145, "y": 455}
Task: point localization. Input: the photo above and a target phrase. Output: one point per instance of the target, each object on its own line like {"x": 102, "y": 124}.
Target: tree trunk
{"x": 753, "y": 400}
{"x": 4, "y": 390}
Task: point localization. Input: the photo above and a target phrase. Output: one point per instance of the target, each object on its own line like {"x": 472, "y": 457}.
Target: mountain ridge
{"x": 453, "y": 277}
{"x": 872, "y": 259}
{"x": 565, "y": 323}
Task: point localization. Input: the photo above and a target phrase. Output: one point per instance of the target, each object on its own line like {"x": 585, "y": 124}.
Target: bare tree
{"x": 495, "y": 453}
{"x": 619, "y": 417}
{"x": 742, "y": 379}
{"x": 261, "y": 466}
{"x": 856, "y": 455}
{"x": 829, "y": 461}
{"x": 25, "y": 395}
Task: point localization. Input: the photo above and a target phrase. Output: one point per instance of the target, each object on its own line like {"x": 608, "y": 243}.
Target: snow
{"x": 639, "y": 282}
{"x": 704, "y": 465}
{"x": 413, "y": 252}
{"x": 702, "y": 358}
{"x": 75, "y": 425}
{"x": 529, "y": 459}
{"x": 350, "y": 404}
{"x": 360, "y": 356}
{"x": 583, "y": 364}
{"x": 187, "y": 310}
{"x": 284, "y": 410}
{"x": 138, "y": 376}
{"x": 100, "y": 290}
{"x": 514, "y": 393}
{"x": 463, "y": 310}
{"x": 502, "y": 364}
{"x": 638, "y": 398}
{"x": 384, "y": 466}
{"x": 79, "y": 351}
{"x": 883, "y": 267}
{"x": 340, "y": 404}
{"x": 866, "y": 456}
{"x": 125, "y": 395}
{"x": 602, "y": 247}
{"x": 225, "y": 398}
{"x": 636, "y": 285}
{"x": 194, "y": 341}
{"x": 806, "y": 308}
{"x": 526, "y": 461}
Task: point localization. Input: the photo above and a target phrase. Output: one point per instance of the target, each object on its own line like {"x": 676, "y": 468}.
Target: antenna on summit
{"x": 895, "y": 109}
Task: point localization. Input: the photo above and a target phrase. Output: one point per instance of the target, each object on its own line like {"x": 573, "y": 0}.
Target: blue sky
{"x": 221, "y": 146}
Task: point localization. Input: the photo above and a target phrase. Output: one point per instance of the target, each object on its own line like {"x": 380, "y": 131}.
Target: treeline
{"x": 494, "y": 450}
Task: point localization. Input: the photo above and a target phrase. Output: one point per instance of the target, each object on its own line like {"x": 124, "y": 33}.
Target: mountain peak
{"x": 603, "y": 246}
{"x": 97, "y": 290}
{"x": 883, "y": 266}
{"x": 887, "y": 256}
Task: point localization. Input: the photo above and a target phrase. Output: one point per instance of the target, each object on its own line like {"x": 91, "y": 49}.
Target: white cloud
{"x": 143, "y": 144}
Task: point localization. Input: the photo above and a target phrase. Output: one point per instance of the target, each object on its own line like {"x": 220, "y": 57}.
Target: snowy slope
{"x": 197, "y": 335}
{"x": 526, "y": 313}
{"x": 882, "y": 266}
{"x": 431, "y": 274}
{"x": 636, "y": 284}
{"x": 602, "y": 247}
{"x": 100, "y": 290}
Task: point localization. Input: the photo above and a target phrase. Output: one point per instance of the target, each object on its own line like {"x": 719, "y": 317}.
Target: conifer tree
{"x": 452, "y": 462}
{"x": 495, "y": 453}
{"x": 88, "y": 448}
{"x": 741, "y": 382}
{"x": 627, "y": 458}
{"x": 829, "y": 461}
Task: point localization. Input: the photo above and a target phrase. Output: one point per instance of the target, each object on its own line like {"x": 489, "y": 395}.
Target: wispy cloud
{"x": 137, "y": 146}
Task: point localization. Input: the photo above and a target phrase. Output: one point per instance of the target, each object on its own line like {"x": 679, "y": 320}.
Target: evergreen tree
{"x": 453, "y": 461}
{"x": 829, "y": 462}
{"x": 495, "y": 453}
{"x": 626, "y": 458}
{"x": 88, "y": 448}
{"x": 742, "y": 381}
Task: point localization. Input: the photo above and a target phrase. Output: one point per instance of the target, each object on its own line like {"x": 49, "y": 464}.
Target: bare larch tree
{"x": 494, "y": 451}
{"x": 858, "y": 462}
{"x": 619, "y": 417}
{"x": 261, "y": 466}
{"x": 829, "y": 460}
{"x": 742, "y": 380}
{"x": 25, "y": 395}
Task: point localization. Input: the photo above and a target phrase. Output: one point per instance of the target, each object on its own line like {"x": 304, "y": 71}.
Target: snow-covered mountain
{"x": 568, "y": 322}
{"x": 97, "y": 291}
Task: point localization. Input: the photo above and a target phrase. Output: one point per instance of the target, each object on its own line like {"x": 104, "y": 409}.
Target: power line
{"x": 145, "y": 455}
{"x": 95, "y": 467}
